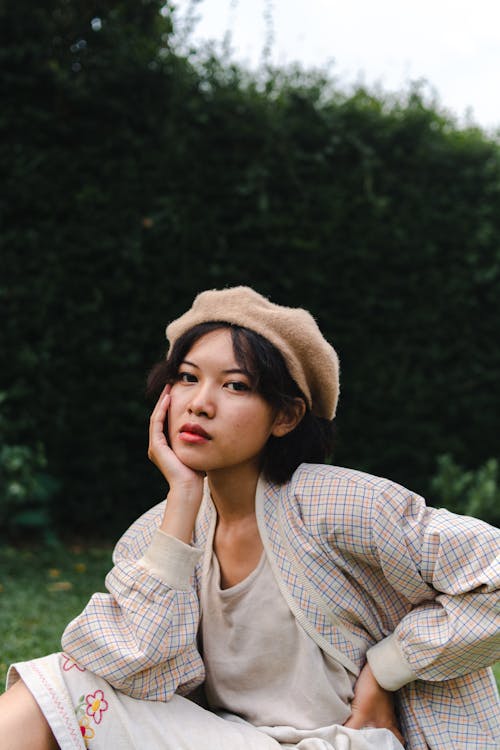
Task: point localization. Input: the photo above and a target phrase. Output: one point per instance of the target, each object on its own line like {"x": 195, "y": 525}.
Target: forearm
{"x": 450, "y": 567}
{"x": 146, "y": 623}
{"x": 439, "y": 640}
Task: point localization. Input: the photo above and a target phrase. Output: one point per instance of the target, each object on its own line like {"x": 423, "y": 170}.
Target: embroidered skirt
{"x": 84, "y": 711}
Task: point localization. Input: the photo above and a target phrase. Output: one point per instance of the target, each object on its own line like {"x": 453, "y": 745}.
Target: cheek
{"x": 258, "y": 425}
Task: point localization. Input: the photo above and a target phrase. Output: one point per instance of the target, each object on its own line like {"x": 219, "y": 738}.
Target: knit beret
{"x": 311, "y": 361}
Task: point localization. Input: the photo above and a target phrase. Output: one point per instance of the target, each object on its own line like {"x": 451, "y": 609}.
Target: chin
{"x": 194, "y": 462}
{"x": 197, "y": 466}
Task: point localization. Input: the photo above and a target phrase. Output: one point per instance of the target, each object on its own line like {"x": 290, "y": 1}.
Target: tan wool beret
{"x": 311, "y": 360}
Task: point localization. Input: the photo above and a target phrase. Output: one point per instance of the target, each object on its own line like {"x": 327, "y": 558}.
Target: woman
{"x": 320, "y": 607}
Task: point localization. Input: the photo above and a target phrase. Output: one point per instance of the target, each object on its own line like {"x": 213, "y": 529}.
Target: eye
{"x": 186, "y": 377}
{"x": 237, "y": 385}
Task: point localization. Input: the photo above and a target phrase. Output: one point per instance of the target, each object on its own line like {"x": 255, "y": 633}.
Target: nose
{"x": 202, "y": 402}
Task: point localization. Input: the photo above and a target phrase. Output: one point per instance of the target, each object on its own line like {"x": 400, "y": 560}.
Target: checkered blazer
{"x": 361, "y": 562}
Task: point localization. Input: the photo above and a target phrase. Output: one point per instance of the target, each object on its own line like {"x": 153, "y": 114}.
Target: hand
{"x": 186, "y": 485}
{"x": 160, "y": 452}
{"x": 372, "y": 706}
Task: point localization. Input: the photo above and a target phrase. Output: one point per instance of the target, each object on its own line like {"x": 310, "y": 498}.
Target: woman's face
{"x": 216, "y": 420}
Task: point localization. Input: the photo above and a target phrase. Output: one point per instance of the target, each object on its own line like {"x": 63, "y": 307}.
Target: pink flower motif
{"x": 69, "y": 663}
{"x": 86, "y": 730}
{"x": 96, "y": 705}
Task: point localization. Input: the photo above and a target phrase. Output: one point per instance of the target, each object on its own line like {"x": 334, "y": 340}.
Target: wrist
{"x": 171, "y": 560}
{"x": 185, "y": 498}
{"x": 388, "y": 664}
{"x": 183, "y": 504}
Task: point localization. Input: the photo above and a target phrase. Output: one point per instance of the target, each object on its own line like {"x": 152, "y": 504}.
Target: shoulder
{"x": 316, "y": 481}
{"x": 137, "y": 538}
{"x": 334, "y": 495}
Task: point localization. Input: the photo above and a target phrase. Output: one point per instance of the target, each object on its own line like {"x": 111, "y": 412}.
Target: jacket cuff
{"x": 170, "y": 560}
{"x": 390, "y": 668}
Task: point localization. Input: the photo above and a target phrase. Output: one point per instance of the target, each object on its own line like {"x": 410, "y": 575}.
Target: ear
{"x": 288, "y": 419}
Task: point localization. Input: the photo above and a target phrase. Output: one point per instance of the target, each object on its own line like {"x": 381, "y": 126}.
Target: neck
{"x": 233, "y": 492}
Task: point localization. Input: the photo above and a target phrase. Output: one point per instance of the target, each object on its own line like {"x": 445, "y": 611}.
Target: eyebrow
{"x": 232, "y": 370}
{"x": 238, "y": 370}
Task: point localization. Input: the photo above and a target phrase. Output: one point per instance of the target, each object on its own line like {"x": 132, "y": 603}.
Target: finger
{"x": 158, "y": 420}
{"x": 161, "y": 407}
{"x": 164, "y": 393}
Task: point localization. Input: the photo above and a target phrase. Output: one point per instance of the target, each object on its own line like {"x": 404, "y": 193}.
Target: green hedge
{"x": 471, "y": 493}
{"x": 136, "y": 178}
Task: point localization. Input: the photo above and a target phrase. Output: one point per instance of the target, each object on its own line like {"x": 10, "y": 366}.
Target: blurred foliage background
{"x": 138, "y": 172}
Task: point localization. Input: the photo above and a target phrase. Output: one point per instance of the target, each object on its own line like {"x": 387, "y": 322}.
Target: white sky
{"x": 453, "y": 44}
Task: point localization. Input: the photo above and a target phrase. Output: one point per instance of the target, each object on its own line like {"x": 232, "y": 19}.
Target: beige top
{"x": 260, "y": 664}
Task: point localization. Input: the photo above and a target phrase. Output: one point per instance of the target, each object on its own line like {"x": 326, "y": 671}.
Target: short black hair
{"x": 312, "y": 439}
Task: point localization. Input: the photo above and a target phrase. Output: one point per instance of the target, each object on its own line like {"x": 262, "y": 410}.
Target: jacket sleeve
{"x": 454, "y": 564}
{"x": 141, "y": 635}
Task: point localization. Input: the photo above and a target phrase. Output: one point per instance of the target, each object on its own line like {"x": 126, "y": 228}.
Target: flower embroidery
{"x": 69, "y": 663}
{"x": 86, "y": 730}
{"x": 96, "y": 705}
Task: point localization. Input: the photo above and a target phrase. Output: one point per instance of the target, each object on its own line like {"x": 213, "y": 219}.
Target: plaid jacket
{"x": 364, "y": 565}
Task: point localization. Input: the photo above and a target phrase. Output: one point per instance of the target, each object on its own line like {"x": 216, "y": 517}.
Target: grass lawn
{"x": 41, "y": 591}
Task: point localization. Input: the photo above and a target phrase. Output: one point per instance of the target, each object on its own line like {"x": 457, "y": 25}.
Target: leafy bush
{"x": 471, "y": 493}
{"x": 26, "y": 488}
{"x": 135, "y": 176}
{"x": 25, "y": 491}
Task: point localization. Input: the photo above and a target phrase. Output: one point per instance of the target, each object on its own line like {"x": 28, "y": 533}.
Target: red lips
{"x": 195, "y": 429}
